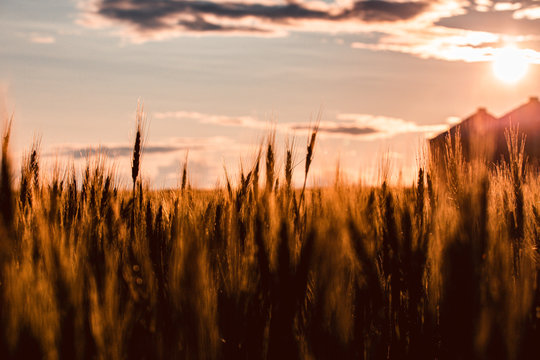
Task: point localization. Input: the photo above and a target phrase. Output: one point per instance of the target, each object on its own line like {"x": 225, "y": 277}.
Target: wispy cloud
{"x": 531, "y": 13}
{"x": 112, "y": 150}
{"x": 337, "y": 129}
{"x": 507, "y": 6}
{"x": 385, "y": 127}
{"x": 483, "y": 5}
{"x": 450, "y": 44}
{"x": 244, "y": 120}
{"x": 41, "y": 39}
{"x": 358, "y": 126}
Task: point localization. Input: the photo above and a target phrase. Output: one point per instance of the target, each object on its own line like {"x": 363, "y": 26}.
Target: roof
{"x": 527, "y": 116}
{"x": 484, "y": 127}
{"x": 479, "y": 122}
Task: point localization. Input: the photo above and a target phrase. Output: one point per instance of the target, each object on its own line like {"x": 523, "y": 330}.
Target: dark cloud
{"x": 341, "y": 129}
{"x": 203, "y": 16}
{"x": 117, "y": 151}
{"x": 201, "y": 25}
{"x": 350, "y": 130}
{"x": 376, "y": 10}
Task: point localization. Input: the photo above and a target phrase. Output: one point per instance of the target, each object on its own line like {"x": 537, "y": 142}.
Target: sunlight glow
{"x": 510, "y": 65}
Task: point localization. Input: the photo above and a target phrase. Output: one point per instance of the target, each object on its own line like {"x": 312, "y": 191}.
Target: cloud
{"x": 450, "y": 44}
{"x": 333, "y": 128}
{"x": 244, "y": 120}
{"x": 531, "y": 13}
{"x": 143, "y": 20}
{"x": 452, "y": 30}
{"x": 41, "y": 39}
{"x": 114, "y": 150}
{"x": 483, "y": 5}
{"x": 357, "y": 126}
{"x": 385, "y": 127}
{"x": 507, "y": 6}
{"x": 381, "y": 11}
{"x": 516, "y": 23}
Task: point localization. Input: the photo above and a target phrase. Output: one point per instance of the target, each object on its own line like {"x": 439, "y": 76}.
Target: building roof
{"x": 481, "y": 121}
{"x": 527, "y": 116}
{"x": 484, "y": 127}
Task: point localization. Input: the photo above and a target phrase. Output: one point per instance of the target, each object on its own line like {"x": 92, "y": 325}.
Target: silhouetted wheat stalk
{"x": 184, "y": 183}
{"x": 309, "y": 157}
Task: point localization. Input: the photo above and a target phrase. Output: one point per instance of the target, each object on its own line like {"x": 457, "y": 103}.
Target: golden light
{"x": 510, "y": 65}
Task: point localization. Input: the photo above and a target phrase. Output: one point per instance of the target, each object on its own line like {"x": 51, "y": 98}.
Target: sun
{"x": 510, "y": 65}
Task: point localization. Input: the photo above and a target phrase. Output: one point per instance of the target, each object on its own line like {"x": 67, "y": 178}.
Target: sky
{"x": 216, "y": 77}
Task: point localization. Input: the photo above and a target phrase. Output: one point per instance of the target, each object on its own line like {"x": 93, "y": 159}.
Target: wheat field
{"x": 448, "y": 268}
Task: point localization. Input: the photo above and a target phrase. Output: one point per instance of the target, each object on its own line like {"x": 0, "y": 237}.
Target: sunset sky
{"x": 216, "y": 75}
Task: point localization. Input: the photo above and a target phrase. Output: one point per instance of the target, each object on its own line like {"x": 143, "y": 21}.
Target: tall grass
{"x": 447, "y": 268}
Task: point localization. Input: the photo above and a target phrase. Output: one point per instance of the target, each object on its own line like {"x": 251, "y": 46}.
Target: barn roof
{"x": 527, "y": 116}
{"x": 479, "y": 122}
{"x": 482, "y": 126}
